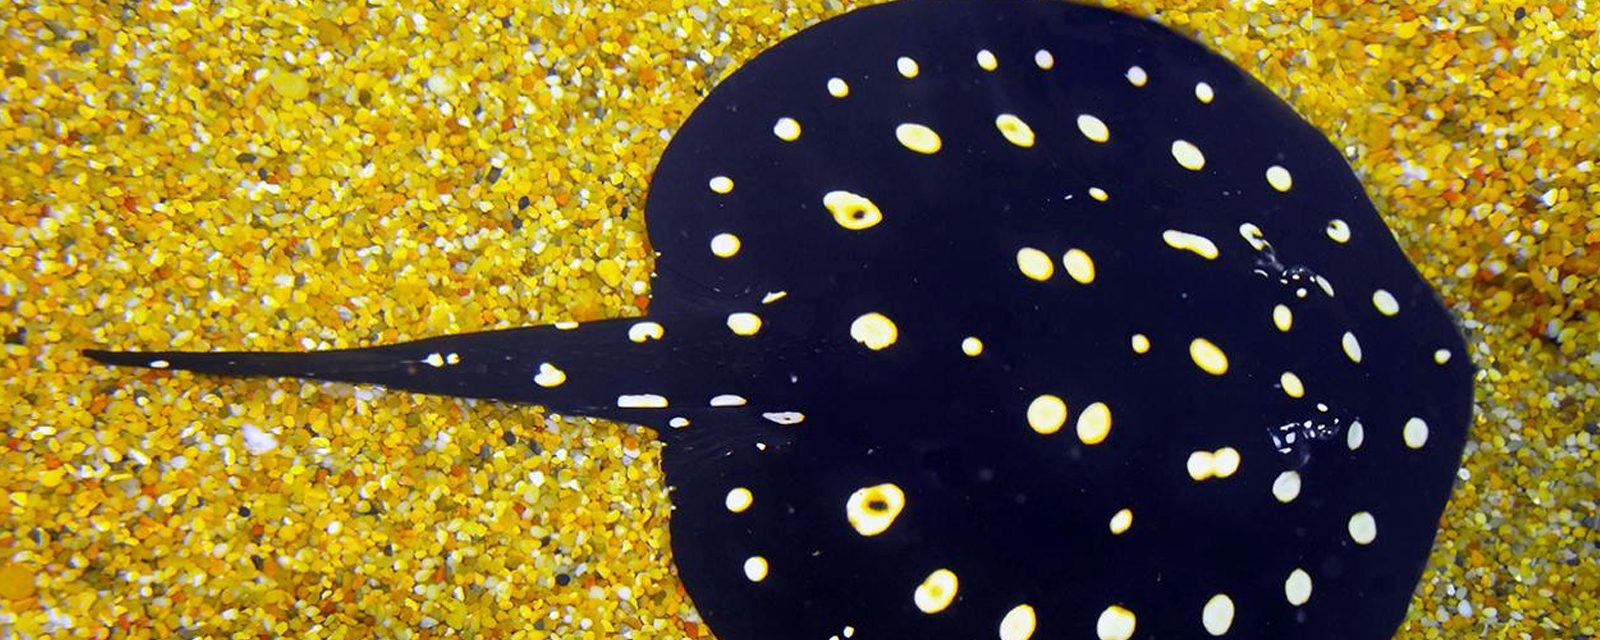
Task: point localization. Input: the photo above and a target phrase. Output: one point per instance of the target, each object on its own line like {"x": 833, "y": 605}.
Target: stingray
{"x": 1004, "y": 319}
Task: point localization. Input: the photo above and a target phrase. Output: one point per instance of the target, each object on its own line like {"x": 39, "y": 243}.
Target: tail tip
{"x": 125, "y": 358}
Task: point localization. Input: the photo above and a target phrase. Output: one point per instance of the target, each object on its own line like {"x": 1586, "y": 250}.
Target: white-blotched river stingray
{"x": 1005, "y": 319}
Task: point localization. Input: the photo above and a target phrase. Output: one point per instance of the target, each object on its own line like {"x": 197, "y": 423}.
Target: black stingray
{"x": 857, "y": 467}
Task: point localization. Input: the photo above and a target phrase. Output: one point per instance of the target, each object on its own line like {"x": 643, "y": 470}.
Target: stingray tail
{"x": 350, "y": 365}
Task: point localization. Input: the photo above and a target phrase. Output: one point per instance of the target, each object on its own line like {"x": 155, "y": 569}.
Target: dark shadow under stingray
{"x": 821, "y": 374}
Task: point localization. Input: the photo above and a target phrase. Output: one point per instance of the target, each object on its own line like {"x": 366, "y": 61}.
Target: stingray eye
{"x": 852, "y": 211}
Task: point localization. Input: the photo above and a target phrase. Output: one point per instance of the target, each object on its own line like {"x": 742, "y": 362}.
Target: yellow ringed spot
{"x": 1093, "y": 128}
{"x": 1046, "y": 414}
{"x": 1116, "y": 623}
{"x": 1352, "y": 347}
{"x": 1035, "y": 264}
{"x": 1121, "y": 522}
{"x": 1282, "y": 318}
{"x": 987, "y": 61}
{"x": 744, "y": 323}
{"x": 1363, "y": 528}
{"x": 645, "y": 331}
{"x": 1209, "y": 357}
{"x": 1297, "y": 588}
{"x": 1292, "y": 385}
{"x": 917, "y": 138}
{"x": 724, "y": 245}
{"x": 727, "y": 400}
{"x": 433, "y": 360}
{"x": 906, "y": 66}
{"x": 1137, "y": 76}
{"x": 1286, "y": 487}
{"x": 1094, "y": 424}
{"x": 1098, "y": 194}
{"x": 1385, "y": 302}
{"x": 871, "y": 510}
{"x": 773, "y": 296}
{"x": 1279, "y": 178}
{"x": 1252, "y": 234}
{"x": 785, "y": 417}
{"x": 875, "y": 330}
{"x": 1338, "y": 231}
{"x": 1355, "y": 435}
{"x": 566, "y": 325}
{"x": 1014, "y": 129}
{"x": 755, "y": 568}
{"x": 1079, "y": 265}
{"x": 678, "y": 422}
{"x": 1188, "y": 155}
{"x": 1018, "y": 623}
{"x": 738, "y": 499}
{"x": 641, "y": 401}
{"x": 159, "y": 364}
{"x": 972, "y": 346}
{"x": 1201, "y": 465}
{"x": 1415, "y": 433}
{"x": 1204, "y": 93}
{"x": 549, "y": 376}
{"x": 721, "y": 184}
{"x": 1141, "y": 343}
{"x": 1225, "y": 461}
{"x": 1441, "y": 356}
{"x": 852, "y": 211}
{"x": 838, "y": 88}
{"x": 1217, "y": 615}
{"x": 787, "y": 129}
{"x": 1044, "y": 59}
{"x": 936, "y": 592}
{"x": 1198, "y": 244}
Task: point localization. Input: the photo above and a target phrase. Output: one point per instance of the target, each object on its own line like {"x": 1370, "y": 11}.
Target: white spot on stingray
{"x": 1046, "y": 414}
{"x": 1188, "y": 155}
{"x": 641, "y": 401}
{"x": 1297, "y": 588}
{"x": 1014, "y": 129}
{"x": 773, "y": 296}
{"x": 874, "y": 330}
{"x": 549, "y": 376}
{"x": 162, "y": 364}
{"x": 1282, "y": 318}
{"x": 936, "y": 592}
{"x": 1201, "y": 465}
{"x": 1441, "y": 356}
{"x": 1385, "y": 302}
{"x": 1415, "y": 433}
{"x": 1325, "y": 285}
{"x": 1279, "y": 178}
{"x": 1208, "y": 356}
{"x": 678, "y": 422}
{"x": 1121, "y": 522}
{"x": 645, "y": 331}
{"x": 727, "y": 400}
{"x": 434, "y": 360}
{"x": 987, "y": 61}
{"x": 1044, "y": 59}
{"x": 1116, "y": 623}
{"x": 906, "y": 66}
{"x": 755, "y": 568}
{"x": 838, "y": 88}
{"x": 1204, "y": 93}
{"x": 1136, "y": 76}
{"x": 1018, "y": 623}
{"x": 721, "y": 184}
{"x": 972, "y": 346}
{"x": 852, "y": 211}
{"x": 738, "y": 499}
{"x": 1292, "y": 385}
{"x": 566, "y": 325}
{"x": 744, "y": 323}
{"x": 1099, "y": 194}
{"x": 1355, "y": 435}
{"x": 1035, "y": 264}
{"x": 1226, "y": 461}
{"x": 1198, "y": 244}
{"x": 1287, "y": 487}
{"x": 1252, "y": 234}
{"x": 1093, "y": 128}
{"x": 785, "y": 417}
{"x": 871, "y": 510}
{"x": 1094, "y": 424}
{"x": 1079, "y": 265}
{"x": 1217, "y": 616}
{"x": 1140, "y": 343}
{"x": 725, "y": 245}
{"x": 1363, "y": 528}
{"x": 1338, "y": 231}
{"x": 917, "y": 138}
{"x": 452, "y": 358}
{"x": 1352, "y": 347}
{"x": 787, "y": 129}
